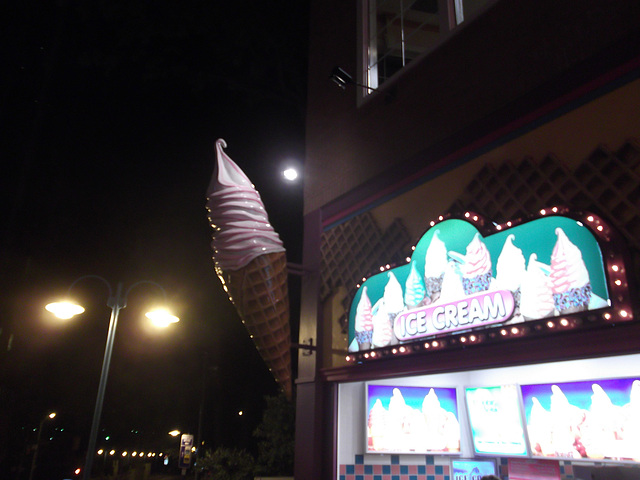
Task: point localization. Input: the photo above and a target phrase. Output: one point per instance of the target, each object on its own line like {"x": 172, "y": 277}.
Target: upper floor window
{"x": 397, "y": 31}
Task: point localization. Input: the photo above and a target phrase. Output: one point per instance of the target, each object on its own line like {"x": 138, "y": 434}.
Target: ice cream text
{"x": 481, "y": 309}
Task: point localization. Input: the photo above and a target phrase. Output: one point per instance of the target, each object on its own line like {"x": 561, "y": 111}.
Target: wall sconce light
{"x": 342, "y": 79}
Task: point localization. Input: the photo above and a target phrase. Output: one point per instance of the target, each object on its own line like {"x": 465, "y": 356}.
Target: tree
{"x": 227, "y": 464}
{"x": 276, "y": 437}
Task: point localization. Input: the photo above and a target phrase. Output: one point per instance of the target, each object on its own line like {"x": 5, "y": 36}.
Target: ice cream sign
{"x": 458, "y": 280}
{"x": 493, "y": 307}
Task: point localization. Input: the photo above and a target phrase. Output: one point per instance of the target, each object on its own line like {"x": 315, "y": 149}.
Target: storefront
{"x": 472, "y": 288}
{"x": 486, "y": 424}
{"x": 517, "y": 131}
{"x": 453, "y": 337}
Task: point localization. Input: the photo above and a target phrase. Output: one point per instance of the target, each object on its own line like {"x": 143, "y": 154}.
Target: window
{"x": 400, "y": 30}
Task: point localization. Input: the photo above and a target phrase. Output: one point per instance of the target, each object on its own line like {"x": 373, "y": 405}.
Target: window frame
{"x": 367, "y": 19}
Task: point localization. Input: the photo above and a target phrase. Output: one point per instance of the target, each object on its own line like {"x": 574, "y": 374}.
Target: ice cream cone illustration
{"x": 415, "y": 291}
{"x": 398, "y": 414}
{"x": 393, "y": 301}
{"x": 539, "y": 427}
{"x": 393, "y": 297}
{"x": 382, "y": 329}
{"x": 435, "y": 264}
{"x": 510, "y": 270}
{"x": 565, "y": 419}
{"x": 441, "y": 427}
{"x": 364, "y": 321}
{"x": 452, "y": 288}
{"x": 476, "y": 270}
{"x": 607, "y": 419}
{"x": 250, "y": 262}
{"x": 377, "y": 425}
{"x": 569, "y": 276}
{"x": 536, "y": 299}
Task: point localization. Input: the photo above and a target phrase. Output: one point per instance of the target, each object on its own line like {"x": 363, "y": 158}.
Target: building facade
{"x": 491, "y": 113}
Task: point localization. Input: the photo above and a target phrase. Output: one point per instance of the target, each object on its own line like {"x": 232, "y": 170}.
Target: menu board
{"x": 472, "y": 469}
{"x": 596, "y": 420}
{"x": 496, "y": 421}
{"x": 403, "y": 419}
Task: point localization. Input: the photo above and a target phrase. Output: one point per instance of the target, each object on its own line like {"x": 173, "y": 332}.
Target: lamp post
{"x": 35, "y": 451}
{"x": 116, "y": 302}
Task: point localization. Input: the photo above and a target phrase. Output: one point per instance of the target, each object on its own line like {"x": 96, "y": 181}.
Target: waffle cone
{"x": 259, "y": 291}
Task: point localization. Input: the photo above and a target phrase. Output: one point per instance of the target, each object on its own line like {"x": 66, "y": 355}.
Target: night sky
{"x": 110, "y": 112}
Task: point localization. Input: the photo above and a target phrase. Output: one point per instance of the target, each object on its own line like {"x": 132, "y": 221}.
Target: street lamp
{"x": 50, "y": 416}
{"x": 116, "y": 302}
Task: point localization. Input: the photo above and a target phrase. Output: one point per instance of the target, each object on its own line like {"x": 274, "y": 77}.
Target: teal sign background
{"x": 537, "y": 236}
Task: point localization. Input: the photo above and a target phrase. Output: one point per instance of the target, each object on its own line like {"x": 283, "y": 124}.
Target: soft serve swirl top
{"x": 241, "y": 226}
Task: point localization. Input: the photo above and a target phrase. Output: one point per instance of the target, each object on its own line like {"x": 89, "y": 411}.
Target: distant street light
{"x": 174, "y": 433}
{"x": 67, "y": 309}
{"x": 50, "y": 416}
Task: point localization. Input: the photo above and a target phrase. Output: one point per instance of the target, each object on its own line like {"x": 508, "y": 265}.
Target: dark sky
{"x": 110, "y": 111}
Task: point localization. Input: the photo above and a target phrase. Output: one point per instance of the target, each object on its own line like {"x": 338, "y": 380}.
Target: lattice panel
{"x": 358, "y": 247}
{"x": 606, "y": 182}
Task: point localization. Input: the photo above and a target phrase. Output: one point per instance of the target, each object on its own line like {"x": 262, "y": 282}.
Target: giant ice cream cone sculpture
{"x": 251, "y": 263}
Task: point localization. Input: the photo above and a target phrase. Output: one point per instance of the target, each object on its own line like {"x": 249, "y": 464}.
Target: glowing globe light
{"x": 64, "y": 310}
{"x": 161, "y": 318}
{"x": 290, "y": 174}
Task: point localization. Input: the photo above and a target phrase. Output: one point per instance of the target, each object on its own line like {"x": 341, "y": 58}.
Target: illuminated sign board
{"x": 186, "y": 444}
{"x": 596, "y": 419}
{"x": 411, "y": 419}
{"x": 495, "y": 420}
{"x": 463, "y": 277}
{"x": 472, "y": 469}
